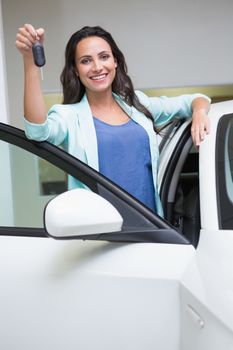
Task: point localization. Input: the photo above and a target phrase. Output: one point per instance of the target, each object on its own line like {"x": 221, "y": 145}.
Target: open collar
{"x": 87, "y": 126}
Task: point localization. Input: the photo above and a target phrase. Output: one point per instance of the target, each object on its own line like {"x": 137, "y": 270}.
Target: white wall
{"x": 3, "y": 84}
{"x": 6, "y": 207}
{"x": 166, "y": 43}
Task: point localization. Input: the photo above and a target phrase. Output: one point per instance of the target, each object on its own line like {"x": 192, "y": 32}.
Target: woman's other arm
{"x": 200, "y": 120}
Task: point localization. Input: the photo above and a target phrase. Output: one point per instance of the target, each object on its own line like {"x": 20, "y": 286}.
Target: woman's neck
{"x": 104, "y": 107}
{"x": 101, "y": 99}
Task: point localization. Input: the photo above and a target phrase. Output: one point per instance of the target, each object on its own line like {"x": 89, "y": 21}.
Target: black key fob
{"x": 38, "y": 54}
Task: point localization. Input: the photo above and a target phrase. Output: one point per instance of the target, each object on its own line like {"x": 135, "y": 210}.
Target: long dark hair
{"x": 73, "y": 89}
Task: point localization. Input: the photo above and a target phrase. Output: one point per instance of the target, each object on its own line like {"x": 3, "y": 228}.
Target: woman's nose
{"x": 97, "y": 66}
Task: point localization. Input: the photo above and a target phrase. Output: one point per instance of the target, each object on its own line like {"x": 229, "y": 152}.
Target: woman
{"x": 102, "y": 120}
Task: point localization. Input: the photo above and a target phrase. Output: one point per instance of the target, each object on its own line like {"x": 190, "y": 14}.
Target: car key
{"x": 39, "y": 56}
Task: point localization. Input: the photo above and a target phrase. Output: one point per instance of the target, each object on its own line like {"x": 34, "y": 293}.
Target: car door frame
{"x": 158, "y": 230}
{"x": 172, "y": 159}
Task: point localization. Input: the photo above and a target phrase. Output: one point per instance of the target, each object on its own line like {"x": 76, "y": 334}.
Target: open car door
{"x": 89, "y": 289}
{"x": 196, "y": 191}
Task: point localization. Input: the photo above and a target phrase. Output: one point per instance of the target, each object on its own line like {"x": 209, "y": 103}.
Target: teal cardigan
{"x": 72, "y": 127}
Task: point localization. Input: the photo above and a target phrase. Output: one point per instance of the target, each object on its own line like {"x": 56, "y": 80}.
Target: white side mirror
{"x": 80, "y": 212}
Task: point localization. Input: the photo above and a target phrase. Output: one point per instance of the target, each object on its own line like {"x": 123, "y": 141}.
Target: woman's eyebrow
{"x": 84, "y": 56}
{"x": 99, "y": 53}
{"x": 90, "y": 56}
{"x": 105, "y": 51}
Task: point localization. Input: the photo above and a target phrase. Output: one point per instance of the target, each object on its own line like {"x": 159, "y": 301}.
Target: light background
{"x": 177, "y": 43}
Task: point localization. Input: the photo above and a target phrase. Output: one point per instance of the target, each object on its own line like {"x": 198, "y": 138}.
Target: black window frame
{"x": 183, "y": 145}
{"x": 158, "y": 231}
{"x": 179, "y": 193}
{"x": 224, "y": 204}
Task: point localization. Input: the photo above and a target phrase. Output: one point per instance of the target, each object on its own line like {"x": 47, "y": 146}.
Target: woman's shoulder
{"x": 141, "y": 95}
{"x": 70, "y": 108}
{"x": 64, "y": 109}
{"x": 143, "y": 98}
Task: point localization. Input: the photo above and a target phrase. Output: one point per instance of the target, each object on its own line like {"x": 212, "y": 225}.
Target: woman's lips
{"x": 99, "y": 77}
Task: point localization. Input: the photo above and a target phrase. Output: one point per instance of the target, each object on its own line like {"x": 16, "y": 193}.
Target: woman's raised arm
{"x": 34, "y": 105}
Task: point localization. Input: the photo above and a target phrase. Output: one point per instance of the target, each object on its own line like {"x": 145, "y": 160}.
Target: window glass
{"x": 224, "y": 171}
{"x": 28, "y": 183}
{"x": 51, "y": 179}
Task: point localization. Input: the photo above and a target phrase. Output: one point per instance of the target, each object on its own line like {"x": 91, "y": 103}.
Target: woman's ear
{"x": 115, "y": 63}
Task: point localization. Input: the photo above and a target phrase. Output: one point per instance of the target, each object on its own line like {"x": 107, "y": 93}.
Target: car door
{"x": 202, "y": 182}
{"x": 106, "y": 291}
{"x": 207, "y": 298}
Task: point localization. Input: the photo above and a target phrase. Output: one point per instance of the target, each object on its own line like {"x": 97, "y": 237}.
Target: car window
{"x": 29, "y": 183}
{"x": 224, "y": 171}
{"x": 32, "y": 173}
{"x": 33, "y": 182}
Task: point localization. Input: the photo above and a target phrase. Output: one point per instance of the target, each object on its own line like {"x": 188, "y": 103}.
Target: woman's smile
{"x": 99, "y": 77}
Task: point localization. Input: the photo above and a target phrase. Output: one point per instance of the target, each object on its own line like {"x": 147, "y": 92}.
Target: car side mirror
{"x": 80, "y": 212}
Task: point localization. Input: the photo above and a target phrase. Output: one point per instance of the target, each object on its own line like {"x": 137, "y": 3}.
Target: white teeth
{"x": 98, "y": 77}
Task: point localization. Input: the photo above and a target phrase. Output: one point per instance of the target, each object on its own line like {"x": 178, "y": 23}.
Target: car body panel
{"x": 208, "y": 278}
{"x": 87, "y": 294}
{"x": 207, "y": 294}
{"x": 74, "y": 294}
{"x": 207, "y": 159}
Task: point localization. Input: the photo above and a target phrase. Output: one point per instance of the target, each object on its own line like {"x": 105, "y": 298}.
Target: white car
{"x": 98, "y": 270}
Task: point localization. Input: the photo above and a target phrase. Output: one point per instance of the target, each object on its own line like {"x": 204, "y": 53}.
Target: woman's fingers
{"x": 195, "y": 135}
{"x": 199, "y": 130}
{"x": 27, "y": 36}
{"x": 40, "y": 34}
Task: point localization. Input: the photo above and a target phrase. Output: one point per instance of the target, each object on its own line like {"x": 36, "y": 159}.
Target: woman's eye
{"x": 85, "y": 60}
{"x": 105, "y": 57}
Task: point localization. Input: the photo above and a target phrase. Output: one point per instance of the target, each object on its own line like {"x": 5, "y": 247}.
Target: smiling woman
{"x": 96, "y": 69}
{"x": 97, "y": 89}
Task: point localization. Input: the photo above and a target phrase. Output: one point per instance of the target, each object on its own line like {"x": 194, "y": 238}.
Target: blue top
{"x": 124, "y": 157}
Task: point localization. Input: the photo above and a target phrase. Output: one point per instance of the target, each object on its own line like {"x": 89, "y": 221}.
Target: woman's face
{"x": 95, "y": 64}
